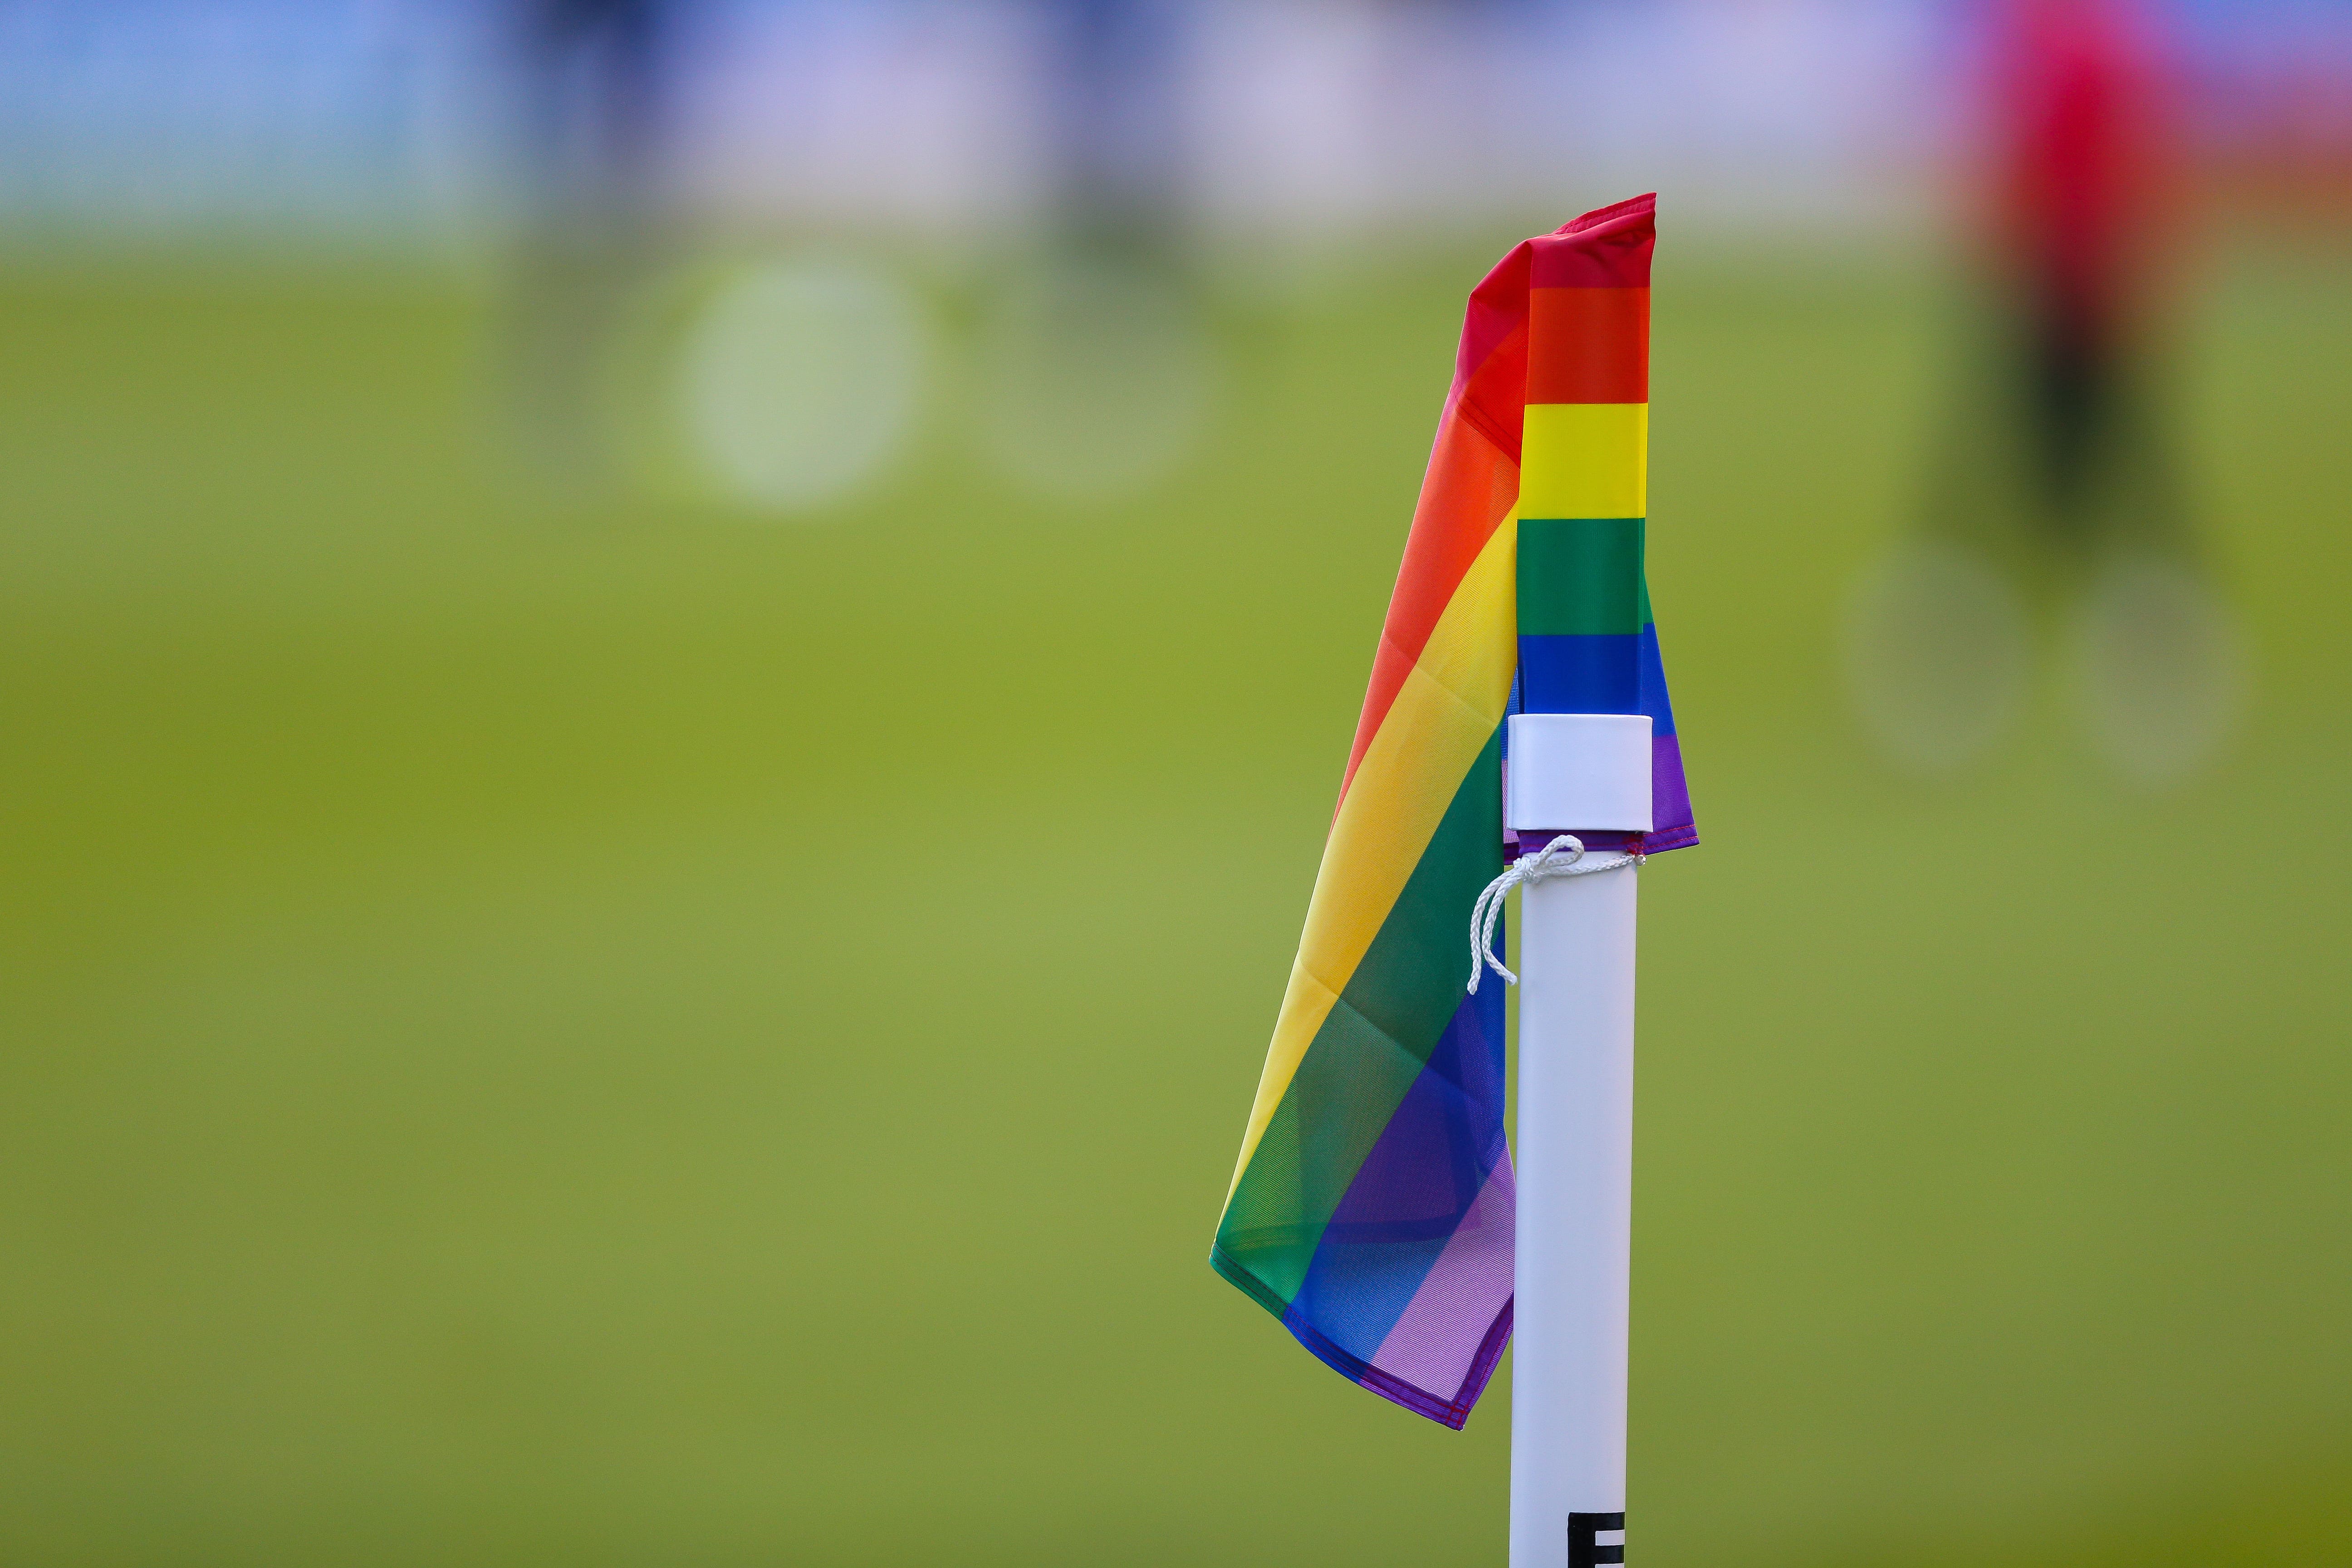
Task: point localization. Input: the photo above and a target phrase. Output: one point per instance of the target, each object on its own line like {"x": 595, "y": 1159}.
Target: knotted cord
{"x": 1540, "y": 866}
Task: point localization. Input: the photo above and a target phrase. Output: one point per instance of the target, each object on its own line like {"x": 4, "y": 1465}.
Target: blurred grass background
{"x": 648, "y": 1036}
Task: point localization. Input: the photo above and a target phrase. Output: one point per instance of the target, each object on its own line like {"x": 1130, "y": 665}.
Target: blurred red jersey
{"x": 2085, "y": 144}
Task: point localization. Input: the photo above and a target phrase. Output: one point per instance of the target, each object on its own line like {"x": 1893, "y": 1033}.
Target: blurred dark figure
{"x": 592, "y": 87}
{"x": 2058, "y": 484}
{"x": 1115, "y": 117}
{"x": 591, "y": 76}
{"x": 2085, "y": 183}
{"x": 1095, "y": 356}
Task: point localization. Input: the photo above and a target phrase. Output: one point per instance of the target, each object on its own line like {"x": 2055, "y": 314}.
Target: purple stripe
{"x": 1670, "y": 807}
{"x": 1435, "y": 1344}
{"x": 1450, "y": 1412}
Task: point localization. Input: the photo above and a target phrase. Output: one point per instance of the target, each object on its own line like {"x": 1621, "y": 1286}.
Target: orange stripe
{"x": 1468, "y": 492}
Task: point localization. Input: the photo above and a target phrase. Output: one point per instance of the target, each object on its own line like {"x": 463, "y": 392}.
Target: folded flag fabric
{"x": 1371, "y": 1209}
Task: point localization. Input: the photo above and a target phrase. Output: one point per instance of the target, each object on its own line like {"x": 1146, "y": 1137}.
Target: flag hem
{"x": 1450, "y": 1413}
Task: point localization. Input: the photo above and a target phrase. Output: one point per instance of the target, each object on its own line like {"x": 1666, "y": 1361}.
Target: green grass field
{"x": 647, "y": 1035}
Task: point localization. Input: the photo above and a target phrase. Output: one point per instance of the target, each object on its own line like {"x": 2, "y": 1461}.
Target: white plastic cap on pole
{"x": 1571, "y": 772}
{"x": 1574, "y": 772}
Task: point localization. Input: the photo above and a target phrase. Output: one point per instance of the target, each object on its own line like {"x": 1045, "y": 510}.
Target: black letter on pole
{"x": 1584, "y": 1546}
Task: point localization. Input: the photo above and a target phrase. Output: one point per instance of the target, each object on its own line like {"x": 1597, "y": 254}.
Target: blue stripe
{"x": 1604, "y": 674}
{"x": 1654, "y": 686}
{"x": 1515, "y": 703}
{"x": 1582, "y": 674}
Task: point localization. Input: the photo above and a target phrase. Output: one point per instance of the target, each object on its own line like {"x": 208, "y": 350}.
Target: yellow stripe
{"x": 1450, "y": 702}
{"x": 1585, "y": 459}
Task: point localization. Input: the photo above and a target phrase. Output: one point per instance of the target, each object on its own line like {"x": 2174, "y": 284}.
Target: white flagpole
{"x": 1575, "y": 1154}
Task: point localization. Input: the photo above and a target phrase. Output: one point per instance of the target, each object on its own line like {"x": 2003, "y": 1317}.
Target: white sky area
{"x": 1290, "y": 117}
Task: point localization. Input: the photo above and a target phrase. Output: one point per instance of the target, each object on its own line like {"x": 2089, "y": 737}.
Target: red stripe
{"x": 1490, "y": 375}
{"x": 1589, "y": 345}
{"x": 1606, "y": 248}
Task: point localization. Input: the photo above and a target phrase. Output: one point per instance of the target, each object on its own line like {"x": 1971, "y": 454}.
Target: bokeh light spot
{"x": 799, "y": 381}
{"x": 1936, "y": 653}
{"x": 2159, "y": 667}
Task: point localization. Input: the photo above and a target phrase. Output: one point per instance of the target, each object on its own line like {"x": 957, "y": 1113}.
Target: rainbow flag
{"x": 1371, "y": 1209}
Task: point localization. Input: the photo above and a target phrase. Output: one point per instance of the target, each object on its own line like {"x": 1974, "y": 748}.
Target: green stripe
{"x": 1371, "y": 1046}
{"x": 1580, "y": 576}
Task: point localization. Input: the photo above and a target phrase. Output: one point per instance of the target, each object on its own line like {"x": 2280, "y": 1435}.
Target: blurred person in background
{"x": 1096, "y": 360}
{"x": 2059, "y": 475}
{"x": 1115, "y": 111}
{"x": 592, "y": 83}
{"x": 2086, "y": 180}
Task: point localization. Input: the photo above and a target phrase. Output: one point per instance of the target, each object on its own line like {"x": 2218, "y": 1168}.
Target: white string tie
{"x": 1563, "y": 857}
